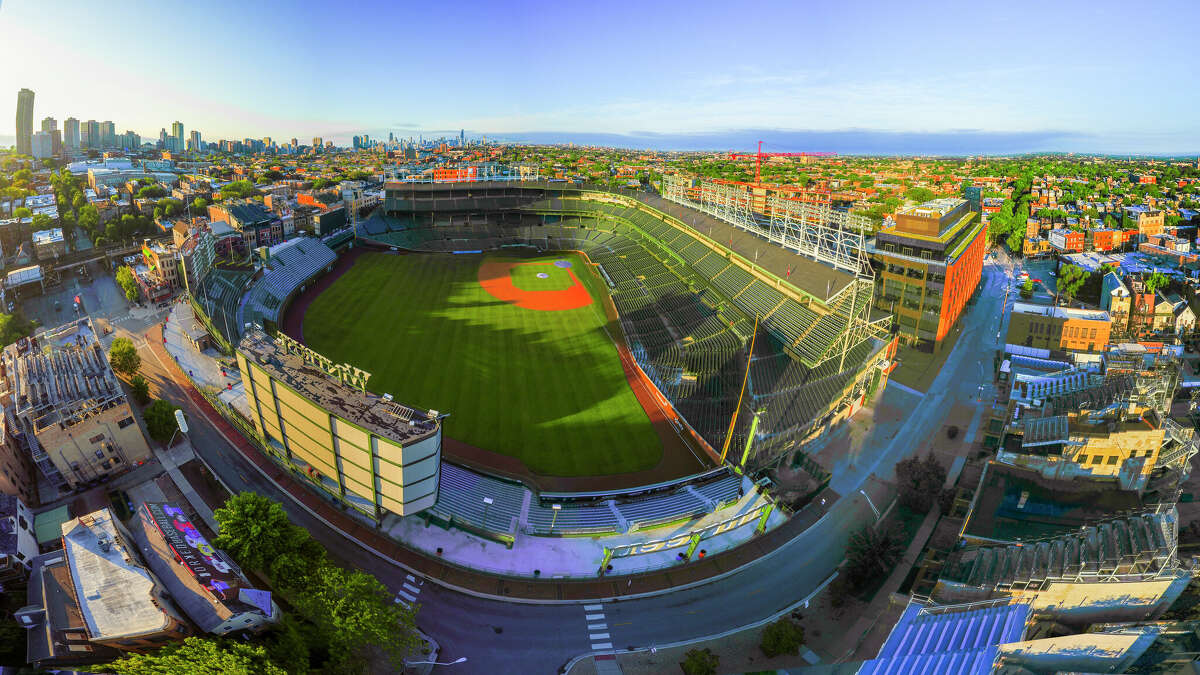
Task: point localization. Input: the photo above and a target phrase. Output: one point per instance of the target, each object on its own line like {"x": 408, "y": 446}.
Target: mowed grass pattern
{"x": 545, "y": 387}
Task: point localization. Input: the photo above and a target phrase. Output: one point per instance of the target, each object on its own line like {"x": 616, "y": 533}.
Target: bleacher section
{"x": 220, "y": 294}
{"x": 687, "y": 310}
{"x": 951, "y": 640}
{"x": 460, "y": 501}
{"x": 291, "y": 265}
{"x": 1139, "y": 544}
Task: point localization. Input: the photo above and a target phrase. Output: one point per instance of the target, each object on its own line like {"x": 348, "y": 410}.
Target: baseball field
{"x": 515, "y": 349}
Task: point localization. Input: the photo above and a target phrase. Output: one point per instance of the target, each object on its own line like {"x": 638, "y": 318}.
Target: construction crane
{"x": 758, "y": 157}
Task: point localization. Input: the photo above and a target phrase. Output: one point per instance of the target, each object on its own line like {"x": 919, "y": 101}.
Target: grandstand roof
{"x": 950, "y": 640}
{"x": 806, "y": 275}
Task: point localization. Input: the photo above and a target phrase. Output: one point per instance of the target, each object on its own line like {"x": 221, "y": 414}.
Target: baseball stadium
{"x": 596, "y": 361}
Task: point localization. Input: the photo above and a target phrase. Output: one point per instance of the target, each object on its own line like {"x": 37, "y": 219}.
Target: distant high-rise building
{"x": 56, "y": 145}
{"x": 317, "y": 143}
{"x": 108, "y": 133}
{"x": 177, "y": 132}
{"x": 93, "y": 134}
{"x": 130, "y": 140}
{"x": 195, "y": 144}
{"x": 162, "y": 139}
{"x": 462, "y": 138}
{"x": 25, "y": 121}
{"x": 41, "y": 145}
{"x": 71, "y": 133}
{"x": 49, "y": 124}
{"x": 295, "y": 143}
{"x": 391, "y": 137}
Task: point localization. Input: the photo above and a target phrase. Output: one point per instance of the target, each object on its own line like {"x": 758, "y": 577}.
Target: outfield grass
{"x": 545, "y": 387}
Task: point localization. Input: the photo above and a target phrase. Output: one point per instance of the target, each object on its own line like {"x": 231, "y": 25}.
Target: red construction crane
{"x": 758, "y": 157}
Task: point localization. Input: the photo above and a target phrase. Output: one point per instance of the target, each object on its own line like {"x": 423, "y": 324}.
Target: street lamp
{"x": 487, "y": 501}
{"x": 461, "y": 659}
{"x": 180, "y": 427}
{"x": 871, "y": 504}
{"x": 557, "y": 508}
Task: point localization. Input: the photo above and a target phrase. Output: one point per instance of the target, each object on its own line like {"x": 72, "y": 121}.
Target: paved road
{"x": 500, "y": 637}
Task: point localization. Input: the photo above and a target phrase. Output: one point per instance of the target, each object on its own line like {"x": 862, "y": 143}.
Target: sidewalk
{"x": 868, "y": 633}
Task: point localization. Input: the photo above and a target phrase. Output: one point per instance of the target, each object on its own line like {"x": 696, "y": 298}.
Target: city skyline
{"x": 893, "y": 77}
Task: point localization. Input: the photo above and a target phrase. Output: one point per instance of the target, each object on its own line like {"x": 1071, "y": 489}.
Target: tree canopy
{"x": 13, "y": 327}
{"x": 919, "y": 482}
{"x": 123, "y": 357}
{"x": 160, "y": 420}
{"x": 1156, "y": 281}
{"x": 256, "y": 532}
{"x": 1071, "y": 278}
{"x": 200, "y": 656}
{"x": 127, "y": 283}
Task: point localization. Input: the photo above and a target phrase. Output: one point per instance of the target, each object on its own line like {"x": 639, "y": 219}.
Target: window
{"x": 1083, "y": 459}
{"x": 24, "y": 523}
{"x": 125, "y": 422}
{"x": 1097, "y": 459}
{"x": 1112, "y": 459}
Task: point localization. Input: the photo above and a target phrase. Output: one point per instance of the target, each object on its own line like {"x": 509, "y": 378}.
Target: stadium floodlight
{"x": 557, "y": 508}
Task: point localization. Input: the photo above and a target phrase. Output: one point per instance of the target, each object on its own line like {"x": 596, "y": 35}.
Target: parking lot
{"x": 97, "y": 290}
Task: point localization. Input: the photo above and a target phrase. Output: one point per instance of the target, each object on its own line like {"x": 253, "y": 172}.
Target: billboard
{"x": 191, "y": 548}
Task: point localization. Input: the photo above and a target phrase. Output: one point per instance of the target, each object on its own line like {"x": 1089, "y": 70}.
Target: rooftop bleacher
{"x": 291, "y": 266}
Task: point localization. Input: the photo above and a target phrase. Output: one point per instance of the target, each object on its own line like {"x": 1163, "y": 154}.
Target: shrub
{"x": 782, "y": 637}
{"x": 700, "y": 662}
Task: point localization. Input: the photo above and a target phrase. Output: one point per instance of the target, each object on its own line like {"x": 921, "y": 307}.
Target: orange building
{"x": 930, "y": 259}
{"x": 469, "y": 173}
{"x": 1047, "y": 327}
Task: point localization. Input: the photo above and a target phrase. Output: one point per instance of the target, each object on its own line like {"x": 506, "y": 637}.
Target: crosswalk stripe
{"x": 601, "y": 645}
{"x": 412, "y": 588}
{"x": 593, "y": 617}
{"x": 599, "y": 636}
{"x": 410, "y": 577}
{"x": 406, "y": 596}
{"x": 401, "y": 601}
{"x": 597, "y": 626}
{"x": 593, "y": 608}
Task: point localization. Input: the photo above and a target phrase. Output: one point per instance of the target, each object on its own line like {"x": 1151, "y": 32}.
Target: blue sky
{"x": 844, "y": 76}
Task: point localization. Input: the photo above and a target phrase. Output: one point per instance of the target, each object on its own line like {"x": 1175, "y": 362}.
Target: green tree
{"x": 1071, "y": 278}
{"x": 151, "y": 192}
{"x": 256, "y": 531}
{"x": 199, "y": 656}
{"x": 13, "y": 327}
{"x": 1156, "y": 281}
{"x": 700, "y": 662}
{"x": 1027, "y": 289}
{"x": 782, "y": 637}
{"x": 140, "y": 388}
{"x": 919, "y": 194}
{"x": 199, "y": 204}
{"x": 123, "y": 357}
{"x": 160, "y": 420}
{"x": 126, "y": 281}
{"x": 22, "y": 212}
{"x": 872, "y": 553}
{"x": 919, "y": 482}
{"x": 357, "y": 614}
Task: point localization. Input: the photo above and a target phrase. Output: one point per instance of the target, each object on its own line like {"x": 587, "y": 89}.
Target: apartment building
{"x": 71, "y": 414}
{"x": 1046, "y": 327}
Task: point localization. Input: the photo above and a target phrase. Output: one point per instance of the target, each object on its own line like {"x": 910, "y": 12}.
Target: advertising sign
{"x": 684, "y": 538}
{"x": 193, "y": 550}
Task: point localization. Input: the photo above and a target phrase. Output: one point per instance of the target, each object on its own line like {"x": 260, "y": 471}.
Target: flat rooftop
{"x": 934, "y": 208}
{"x": 115, "y": 593}
{"x": 1060, "y": 312}
{"x": 373, "y": 412}
{"x": 51, "y": 236}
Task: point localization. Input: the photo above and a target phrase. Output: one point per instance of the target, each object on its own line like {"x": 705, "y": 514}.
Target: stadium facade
{"x": 364, "y": 450}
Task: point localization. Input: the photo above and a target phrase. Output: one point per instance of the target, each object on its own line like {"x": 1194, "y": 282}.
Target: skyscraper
{"x": 317, "y": 143}
{"x": 108, "y": 133}
{"x": 25, "y": 122}
{"x": 71, "y": 133}
{"x": 196, "y": 144}
{"x": 462, "y": 138}
{"x": 177, "y": 132}
{"x": 93, "y": 134}
{"x": 49, "y": 124}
